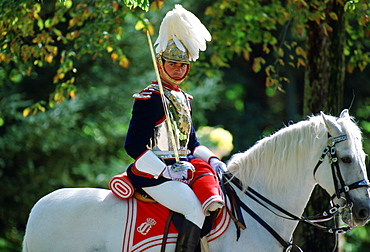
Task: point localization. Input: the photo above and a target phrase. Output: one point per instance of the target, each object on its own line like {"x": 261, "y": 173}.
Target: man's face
{"x": 175, "y": 70}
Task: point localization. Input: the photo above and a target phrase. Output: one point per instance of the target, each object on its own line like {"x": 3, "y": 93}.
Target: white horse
{"x": 280, "y": 167}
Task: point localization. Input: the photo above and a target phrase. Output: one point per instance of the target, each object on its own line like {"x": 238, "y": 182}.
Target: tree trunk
{"x": 326, "y": 69}
{"x": 323, "y": 92}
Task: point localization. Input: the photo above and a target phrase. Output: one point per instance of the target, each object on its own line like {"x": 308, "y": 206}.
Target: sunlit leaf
{"x": 139, "y": 25}
{"x": 123, "y": 61}
{"x": 114, "y": 56}
{"x": 333, "y": 15}
{"x": 40, "y": 23}
{"x": 57, "y": 32}
{"x": 109, "y": 49}
{"x": 68, "y": 3}
{"x": 300, "y": 51}
{"x": 246, "y": 54}
{"x": 72, "y": 94}
{"x": 257, "y": 64}
{"x": 26, "y": 112}
{"x": 301, "y": 62}
{"x": 48, "y": 23}
{"x": 281, "y": 52}
{"x": 49, "y": 58}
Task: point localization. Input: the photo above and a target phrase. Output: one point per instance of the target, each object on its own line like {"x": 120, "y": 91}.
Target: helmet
{"x": 181, "y": 36}
{"x": 173, "y": 53}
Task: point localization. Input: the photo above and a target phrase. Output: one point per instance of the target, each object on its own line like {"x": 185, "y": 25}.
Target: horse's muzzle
{"x": 362, "y": 215}
{"x": 357, "y": 215}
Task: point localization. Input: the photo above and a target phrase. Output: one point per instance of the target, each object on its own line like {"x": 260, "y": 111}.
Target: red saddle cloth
{"x": 146, "y": 224}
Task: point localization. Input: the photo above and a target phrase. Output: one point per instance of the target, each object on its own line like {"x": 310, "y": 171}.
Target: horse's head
{"x": 345, "y": 175}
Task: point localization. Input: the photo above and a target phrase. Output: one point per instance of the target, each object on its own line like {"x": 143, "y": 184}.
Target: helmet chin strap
{"x": 167, "y": 76}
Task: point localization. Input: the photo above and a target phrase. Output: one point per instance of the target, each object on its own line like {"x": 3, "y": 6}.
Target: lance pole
{"x": 165, "y": 107}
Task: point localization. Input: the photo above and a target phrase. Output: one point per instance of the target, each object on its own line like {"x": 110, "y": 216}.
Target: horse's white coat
{"x": 279, "y": 167}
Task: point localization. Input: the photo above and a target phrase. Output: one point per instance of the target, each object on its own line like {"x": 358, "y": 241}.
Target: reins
{"x": 333, "y": 211}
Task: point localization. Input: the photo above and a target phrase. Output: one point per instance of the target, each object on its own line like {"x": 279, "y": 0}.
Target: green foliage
{"x": 244, "y": 27}
{"x": 357, "y": 240}
{"x": 58, "y": 34}
{"x": 357, "y": 50}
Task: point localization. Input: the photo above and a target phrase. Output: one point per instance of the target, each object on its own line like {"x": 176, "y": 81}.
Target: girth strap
{"x": 165, "y": 232}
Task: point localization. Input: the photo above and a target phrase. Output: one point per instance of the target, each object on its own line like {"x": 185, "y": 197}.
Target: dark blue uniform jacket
{"x": 146, "y": 114}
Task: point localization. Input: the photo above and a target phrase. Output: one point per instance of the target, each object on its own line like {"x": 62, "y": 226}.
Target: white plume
{"x": 185, "y": 29}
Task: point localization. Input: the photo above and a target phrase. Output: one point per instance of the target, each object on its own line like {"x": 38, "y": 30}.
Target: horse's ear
{"x": 331, "y": 124}
{"x": 344, "y": 113}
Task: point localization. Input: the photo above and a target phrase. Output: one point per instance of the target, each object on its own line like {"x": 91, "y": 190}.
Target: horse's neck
{"x": 292, "y": 196}
{"x": 292, "y": 186}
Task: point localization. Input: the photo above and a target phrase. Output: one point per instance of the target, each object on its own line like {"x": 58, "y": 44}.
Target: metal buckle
{"x": 332, "y": 150}
{"x": 333, "y": 210}
{"x": 326, "y": 149}
{"x": 331, "y": 141}
{"x": 343, "y": 230}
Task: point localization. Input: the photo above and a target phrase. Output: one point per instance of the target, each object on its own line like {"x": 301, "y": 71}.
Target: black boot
{"x": 188, "y": 238}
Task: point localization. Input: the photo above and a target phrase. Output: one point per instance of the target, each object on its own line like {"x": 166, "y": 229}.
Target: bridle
{"x": 334, "y": 210}
{"x": 330, "y": 151}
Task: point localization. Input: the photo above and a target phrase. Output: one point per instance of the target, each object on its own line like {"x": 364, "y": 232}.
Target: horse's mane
{"x": 283, "y": 153}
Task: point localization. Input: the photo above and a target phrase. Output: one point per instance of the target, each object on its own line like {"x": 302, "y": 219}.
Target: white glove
{"x": 218, "y": 166}
{"x": 178, "y": 171}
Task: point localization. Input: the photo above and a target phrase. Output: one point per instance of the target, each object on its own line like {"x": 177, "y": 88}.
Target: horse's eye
{"x": 346, "y": 160}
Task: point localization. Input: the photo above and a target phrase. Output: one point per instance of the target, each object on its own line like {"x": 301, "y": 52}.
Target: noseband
{"x": 339, "y": 184}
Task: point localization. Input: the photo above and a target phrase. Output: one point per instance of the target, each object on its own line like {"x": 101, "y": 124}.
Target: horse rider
{"x": 170, "y": 164}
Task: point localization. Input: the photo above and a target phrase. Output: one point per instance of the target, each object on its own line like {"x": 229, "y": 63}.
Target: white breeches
{"x": 178, "y": 197}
